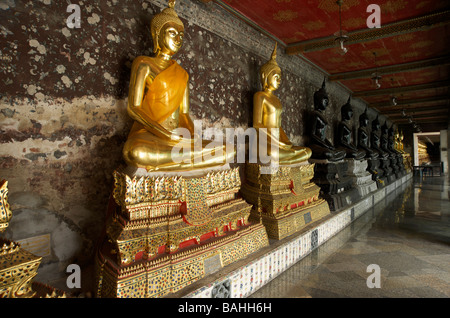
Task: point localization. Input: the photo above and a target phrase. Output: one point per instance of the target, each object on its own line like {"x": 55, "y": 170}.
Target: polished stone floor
{"x": 407, "y": 236}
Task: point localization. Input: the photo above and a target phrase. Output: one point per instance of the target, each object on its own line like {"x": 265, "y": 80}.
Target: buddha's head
{"x": 376, "y": 124}
{"x": 321, "y": 98}
{"x": 364, "y": 119}
{"x": 396, "y": 135}
{"x": 167, "y": 31}
{"x": 271, "y": 73}
{"x": 347, "y": 111}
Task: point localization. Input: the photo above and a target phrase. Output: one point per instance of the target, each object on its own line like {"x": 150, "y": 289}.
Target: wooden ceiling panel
{"x": 412, "y": 51}
{"x": 404, "y": 79}
{"x": 409, "y": 95}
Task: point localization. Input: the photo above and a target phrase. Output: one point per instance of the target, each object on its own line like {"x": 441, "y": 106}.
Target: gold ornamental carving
{"x": 17, "y": 266}
{"x": 163, "y": 228}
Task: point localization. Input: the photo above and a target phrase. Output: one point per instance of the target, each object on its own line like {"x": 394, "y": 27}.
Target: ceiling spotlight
{"x": 341, "y": 40}
{"x": 341, "y": 36}
{"x": 376, "y": 77}
{"x": 403, "y": 113}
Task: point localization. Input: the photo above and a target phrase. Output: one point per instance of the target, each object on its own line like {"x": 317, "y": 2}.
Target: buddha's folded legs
{"x": 319, "y": 152}
{"x": 293, "y": 155}
{"x": 145, "y": 150}
{"x": 355, "y": 154}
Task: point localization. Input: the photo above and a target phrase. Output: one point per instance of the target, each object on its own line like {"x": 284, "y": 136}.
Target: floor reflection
{"x": 407, "y": 235}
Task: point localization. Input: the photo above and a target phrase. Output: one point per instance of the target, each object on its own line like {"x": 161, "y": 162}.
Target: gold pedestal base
{"x": 172, "y": 272}
{"x": 166, "y": 231}
{"x": 286, "y": 200}
{"x": 295, "y": 220}
{"x": 17, "y": 270}
{"x": 17, "y": 266}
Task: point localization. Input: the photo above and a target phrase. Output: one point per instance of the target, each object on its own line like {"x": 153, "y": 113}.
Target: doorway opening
{"x": 427, "y": 150}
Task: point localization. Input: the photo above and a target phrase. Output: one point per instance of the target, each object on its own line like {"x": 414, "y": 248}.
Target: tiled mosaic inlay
{"x": 314, "y": 239}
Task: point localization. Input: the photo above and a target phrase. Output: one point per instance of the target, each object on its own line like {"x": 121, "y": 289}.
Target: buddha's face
{"x": 324, "y": 102}
{"x": 375, "y": 125}
{"x": 171, "y": 38}
{"x": 320, "y": 101}
{"x": 273, "y": 80}
{"x": 364, "y": 121}
{"x": 347, "y": 113}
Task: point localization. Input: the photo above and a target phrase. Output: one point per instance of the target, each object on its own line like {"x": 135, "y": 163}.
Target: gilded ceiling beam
{"x": 365, "y": 35}
{"x": 402, "y": 89}
{"x": 392, "y": 69}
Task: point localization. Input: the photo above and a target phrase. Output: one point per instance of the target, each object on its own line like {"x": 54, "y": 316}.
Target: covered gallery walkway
{"x": 407, "y": 235}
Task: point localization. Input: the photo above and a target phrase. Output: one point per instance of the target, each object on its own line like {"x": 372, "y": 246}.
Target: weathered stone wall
{"x": 63, "y": 97}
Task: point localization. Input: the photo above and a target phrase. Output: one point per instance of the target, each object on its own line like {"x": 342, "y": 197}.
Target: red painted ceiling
{"x": 293, "y": 22}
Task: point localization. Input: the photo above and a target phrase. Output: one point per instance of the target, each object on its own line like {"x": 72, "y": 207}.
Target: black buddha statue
{"x": 345, "y": 134}
{"x": 385, "y": 140}
{"x": 321, "y": 147}
{"x": 363, "y": 137}
{"x": 376, "y": 139}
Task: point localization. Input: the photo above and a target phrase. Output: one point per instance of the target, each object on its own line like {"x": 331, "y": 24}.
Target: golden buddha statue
{"x": 398, "y": 141}
{"x": 283, "y": 196}
{"x": 267, "y": 111}
{"x": 178, "y": 215}
{"x": 158, "y": 101}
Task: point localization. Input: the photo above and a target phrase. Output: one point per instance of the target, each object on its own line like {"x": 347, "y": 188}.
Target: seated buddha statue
{"x": 267, "y": 110}
{"x": 158, "y": 101}
{"x": 385, "y": 143}
{"x": 398, "y": 141}
{"x": 363, "y": 137}
{"x": 321, "y": 147}
{"x": 345, "y": 133}
{"x": 376, "y": 140}
{"x": 392, "y": 141}
{"x": 401, "y": 146}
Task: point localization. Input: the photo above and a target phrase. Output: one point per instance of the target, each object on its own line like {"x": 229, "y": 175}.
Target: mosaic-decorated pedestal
{"x": 166, "y": 231}
{"x": 269, "y": 263}
{"x": 17, "y": 266}
{"x": 17, "y": 270}
{"x": 336, "y": 186}
{"x": 361, "y": 178}
{"x": 285, "y": 200}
